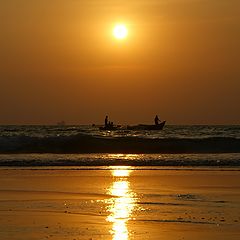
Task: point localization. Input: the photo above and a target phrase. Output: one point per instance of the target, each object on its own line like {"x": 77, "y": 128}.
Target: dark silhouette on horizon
{"x": 106, "y": 121}
{"x": 157, "y": 120}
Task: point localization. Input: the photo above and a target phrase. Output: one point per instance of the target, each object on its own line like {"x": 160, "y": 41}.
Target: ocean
{"x": 87, "y": 146}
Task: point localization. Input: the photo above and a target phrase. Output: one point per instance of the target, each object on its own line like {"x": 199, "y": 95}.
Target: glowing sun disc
{"x": 120, "y": 31}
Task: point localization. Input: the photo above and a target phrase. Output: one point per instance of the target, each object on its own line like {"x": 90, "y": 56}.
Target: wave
{"x": 134, "y": 160}
{"x": 81, "y": 143}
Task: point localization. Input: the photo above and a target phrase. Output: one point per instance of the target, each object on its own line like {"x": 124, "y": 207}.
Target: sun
{"x": 120, "y": 31}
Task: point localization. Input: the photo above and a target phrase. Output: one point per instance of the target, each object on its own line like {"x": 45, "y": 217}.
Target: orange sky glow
{"x": 60, "y": 61}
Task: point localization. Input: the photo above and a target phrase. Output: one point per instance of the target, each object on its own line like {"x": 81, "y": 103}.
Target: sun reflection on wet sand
{"x": 122, "y": 204}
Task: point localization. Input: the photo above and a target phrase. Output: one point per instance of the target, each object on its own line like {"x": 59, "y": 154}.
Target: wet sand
{"x": 119, "y": 204}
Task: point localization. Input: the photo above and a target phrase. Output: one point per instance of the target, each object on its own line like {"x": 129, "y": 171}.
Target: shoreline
{"x": 68, "y": 161}
{"x": 132, "y": 168}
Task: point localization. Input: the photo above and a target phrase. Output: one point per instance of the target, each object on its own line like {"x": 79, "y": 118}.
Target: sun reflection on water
{"x": 122, "y": 204}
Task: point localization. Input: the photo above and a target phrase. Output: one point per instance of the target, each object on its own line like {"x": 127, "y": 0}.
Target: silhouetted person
{"x": 106, "y": 121}
{"x": 157, "y": 120}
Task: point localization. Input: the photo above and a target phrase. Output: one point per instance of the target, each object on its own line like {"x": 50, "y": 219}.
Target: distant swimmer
{"x": 157, "y": 120}
{"x": 106, "y": 121}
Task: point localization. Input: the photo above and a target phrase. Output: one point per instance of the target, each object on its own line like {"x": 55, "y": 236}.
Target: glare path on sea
{"x": 122, "y": 204}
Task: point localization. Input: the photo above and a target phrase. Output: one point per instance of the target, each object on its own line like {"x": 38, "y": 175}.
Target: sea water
{"x": 83, "y": 146}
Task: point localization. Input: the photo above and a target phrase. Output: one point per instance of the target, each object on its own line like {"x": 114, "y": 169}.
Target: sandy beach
{"x": 119, "y": 204}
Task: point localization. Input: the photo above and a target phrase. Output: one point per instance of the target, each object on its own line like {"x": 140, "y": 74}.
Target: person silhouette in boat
{"x": 157, "y": 120}
{"x": 108, "y": 124}
{"x": 106, "y": 121}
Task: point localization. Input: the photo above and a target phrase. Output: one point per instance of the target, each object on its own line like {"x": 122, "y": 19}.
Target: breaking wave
{"x": 83, "y": 143}
{"x": 105, "y": 159}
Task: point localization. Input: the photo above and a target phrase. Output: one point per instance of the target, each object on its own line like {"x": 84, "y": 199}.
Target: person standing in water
{"x": 157, "y": 120}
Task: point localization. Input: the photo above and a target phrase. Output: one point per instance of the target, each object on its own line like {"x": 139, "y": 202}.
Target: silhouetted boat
{"x": 147, "y": 127}
{"x": 110, "y": 128}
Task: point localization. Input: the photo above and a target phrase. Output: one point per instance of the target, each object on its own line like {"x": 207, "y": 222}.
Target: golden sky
{"x": 60, "y": 61}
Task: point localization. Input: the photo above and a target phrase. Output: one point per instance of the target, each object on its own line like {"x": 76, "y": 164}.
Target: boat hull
{"x": 147, "y": 127}
{"x": 110, "y": 128}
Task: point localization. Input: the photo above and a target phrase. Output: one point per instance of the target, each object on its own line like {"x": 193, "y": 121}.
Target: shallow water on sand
{"x": 119, "y": 204}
